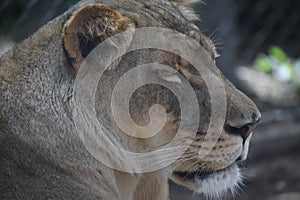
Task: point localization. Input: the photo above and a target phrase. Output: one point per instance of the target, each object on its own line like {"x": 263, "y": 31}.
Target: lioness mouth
{"x": 200, "y": 174}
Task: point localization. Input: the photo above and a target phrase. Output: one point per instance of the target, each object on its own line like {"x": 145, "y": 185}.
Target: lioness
{"x": 42, "y": 156}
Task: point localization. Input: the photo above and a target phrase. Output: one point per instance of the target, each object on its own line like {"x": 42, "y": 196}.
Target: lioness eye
{"x": 169, "y": 75}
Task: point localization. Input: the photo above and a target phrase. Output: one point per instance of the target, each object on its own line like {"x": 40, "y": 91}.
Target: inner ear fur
{"x": 88, "y": 27}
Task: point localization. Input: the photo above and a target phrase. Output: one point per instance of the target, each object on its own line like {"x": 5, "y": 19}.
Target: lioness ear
{"x": 88, "y": 27}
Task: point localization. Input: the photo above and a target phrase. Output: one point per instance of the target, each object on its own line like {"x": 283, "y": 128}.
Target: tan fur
{"x": 41, "y": 157}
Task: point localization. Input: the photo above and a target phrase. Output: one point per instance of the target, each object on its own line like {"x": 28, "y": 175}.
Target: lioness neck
{"x": 152, "y": 186}
{"x": 147, "y": 186}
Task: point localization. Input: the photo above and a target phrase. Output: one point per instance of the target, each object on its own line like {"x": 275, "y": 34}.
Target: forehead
{"x": 169, "y": 15}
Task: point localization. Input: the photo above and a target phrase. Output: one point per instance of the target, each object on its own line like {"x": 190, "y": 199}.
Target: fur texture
{"x": 42, "y": 157}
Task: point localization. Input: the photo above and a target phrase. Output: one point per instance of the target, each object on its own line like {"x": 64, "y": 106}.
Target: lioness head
{"x": 217, "y": 171}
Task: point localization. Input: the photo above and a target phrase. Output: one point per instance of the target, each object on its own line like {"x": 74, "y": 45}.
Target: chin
{"x": 210, "y": 183}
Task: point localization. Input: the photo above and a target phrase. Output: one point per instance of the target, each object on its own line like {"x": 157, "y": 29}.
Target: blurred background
{"x": 259, "y": 43}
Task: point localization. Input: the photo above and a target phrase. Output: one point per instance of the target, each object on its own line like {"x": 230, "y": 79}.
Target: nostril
{"x": 255, "y": 118}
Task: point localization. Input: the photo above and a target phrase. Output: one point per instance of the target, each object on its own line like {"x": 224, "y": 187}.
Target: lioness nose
{"x": 256, "y": 117}
{"x": 242, "y": 115}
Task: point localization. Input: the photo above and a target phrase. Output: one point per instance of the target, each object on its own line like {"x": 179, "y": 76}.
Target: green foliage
{"x": 280, "y": 66}
{"x": 263, "y": 63}
{"x": 278, "y": 54}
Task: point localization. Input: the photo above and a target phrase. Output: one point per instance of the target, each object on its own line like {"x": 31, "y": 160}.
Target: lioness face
{"x": 213, "y": 173}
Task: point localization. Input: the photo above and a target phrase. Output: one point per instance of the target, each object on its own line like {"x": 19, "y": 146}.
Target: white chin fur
{"x": 218, "y": 183}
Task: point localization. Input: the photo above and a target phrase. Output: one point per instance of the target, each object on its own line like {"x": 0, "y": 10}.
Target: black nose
{"x": 256, "y": 118}
{"x": 245, "y": 130}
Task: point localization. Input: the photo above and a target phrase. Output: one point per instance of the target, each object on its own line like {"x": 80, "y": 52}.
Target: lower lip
{"x": 193, "y": 175}
{"x": 199, "y": 175}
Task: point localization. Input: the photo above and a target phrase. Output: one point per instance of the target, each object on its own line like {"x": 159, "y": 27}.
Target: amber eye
{"x": 170, "y": 75}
